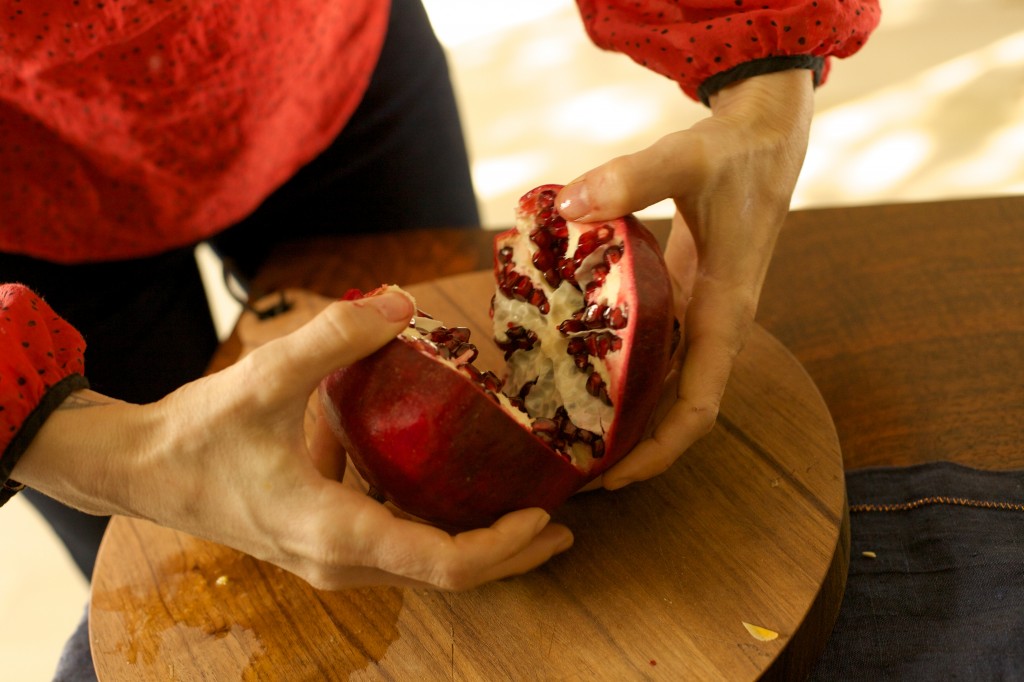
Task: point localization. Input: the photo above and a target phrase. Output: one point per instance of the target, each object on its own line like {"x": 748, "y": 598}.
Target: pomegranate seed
{"x": 597, "y": 448}
{"x": 519, "y": 338}
{"x": 460, "y": 334}
{"x": 571, "y": 326}
{"x": 592, "y": 315}
{"x": 545, "y": 216}
{"x": 546, "y": 198}
{"x": 541, "y": 237}
{"x": 594, "y": 384}
{"x": 505, "y": 255}
{"x": 613, "y": 255}
{"x": 616, "y": 318}
{"x": 522, "y": 288}
{"x": 576, "y": 346}
{"x": 538, "y": 299}
{"x": 525, "y": 390}
{"x": 600, "y": 272}
{"x": 508, "y": 280}
{"x": 588, "y": 242}
{"x": 544, "y": 259}
{"x": 465, "y": 353}
{"x": 604, "y": 234}
{"x": 491, "y": 381}
{"x": 439, "y": 335}
{"x": 567, "y": 269}
{"x": 552, "y": 277}
{"x": 560, "y": 231}
{"x": 582, "y": 362}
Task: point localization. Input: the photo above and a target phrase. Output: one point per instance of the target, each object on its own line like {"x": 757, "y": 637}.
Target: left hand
{"x": 732, "y": 176}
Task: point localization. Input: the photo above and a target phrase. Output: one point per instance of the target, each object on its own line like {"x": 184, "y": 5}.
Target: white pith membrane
{"x": 447, "y": 343}
{"x": 550, "y": 376}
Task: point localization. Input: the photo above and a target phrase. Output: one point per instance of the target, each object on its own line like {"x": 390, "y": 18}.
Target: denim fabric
{"x": 75, "y": 663}
{"x": 943, "y": 596}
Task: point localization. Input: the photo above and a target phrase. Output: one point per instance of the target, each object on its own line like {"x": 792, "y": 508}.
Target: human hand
{"x": 227, "y": 458}
{"x": 731, "y": 177}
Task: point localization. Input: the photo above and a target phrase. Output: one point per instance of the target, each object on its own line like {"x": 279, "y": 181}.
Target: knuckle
{"x": 319, "y": 579}
{"x": 455, "y": 576}
{"x": 336, "y": 321}
{"x": 705, "y": 417}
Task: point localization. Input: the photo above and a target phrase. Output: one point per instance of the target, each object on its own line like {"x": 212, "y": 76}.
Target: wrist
{"x": 815, "y": 66}
{"x": 779, "y": 99}
{"x": 89, "y": 452}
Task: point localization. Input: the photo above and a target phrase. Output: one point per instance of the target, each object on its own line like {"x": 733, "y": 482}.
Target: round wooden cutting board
{"x": 729, "y": 566}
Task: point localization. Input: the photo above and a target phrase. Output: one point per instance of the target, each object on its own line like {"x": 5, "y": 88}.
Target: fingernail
{"x": 565, "y": 543}
{"x": 392, "y": 307}
{"x": 542, "y": 521}
{"x": 574, "y": 201}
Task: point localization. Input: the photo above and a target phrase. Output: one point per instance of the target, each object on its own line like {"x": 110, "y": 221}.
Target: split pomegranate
{"x": 583, "y": 314}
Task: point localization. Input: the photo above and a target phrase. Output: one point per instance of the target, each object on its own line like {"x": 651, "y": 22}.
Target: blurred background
{"x": 932, "y": 108}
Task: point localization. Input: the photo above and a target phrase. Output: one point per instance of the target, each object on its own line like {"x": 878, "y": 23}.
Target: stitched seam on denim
{"x": 937, "y": 500}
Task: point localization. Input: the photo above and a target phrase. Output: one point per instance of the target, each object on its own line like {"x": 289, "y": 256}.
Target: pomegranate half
{"x": 583, "y": 313}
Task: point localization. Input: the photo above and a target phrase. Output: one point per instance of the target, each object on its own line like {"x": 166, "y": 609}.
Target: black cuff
{"x": 30, "y": 427}
{"x": 760, "y": 67}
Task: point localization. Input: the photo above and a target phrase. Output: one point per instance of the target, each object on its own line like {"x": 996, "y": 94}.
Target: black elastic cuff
{"x": 30, "y": 427}
{"x": 760, "y": 67}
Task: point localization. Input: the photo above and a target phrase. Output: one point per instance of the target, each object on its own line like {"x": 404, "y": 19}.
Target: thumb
{"x": 344, "y": 332}
{"x": 629, "y": 183}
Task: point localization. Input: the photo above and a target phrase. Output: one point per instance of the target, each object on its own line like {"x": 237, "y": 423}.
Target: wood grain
{"x": 750, "y": 526}
{"x": 910, "y": 320}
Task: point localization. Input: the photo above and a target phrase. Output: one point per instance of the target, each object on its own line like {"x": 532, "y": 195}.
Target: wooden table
{"x": 908, "y": 318}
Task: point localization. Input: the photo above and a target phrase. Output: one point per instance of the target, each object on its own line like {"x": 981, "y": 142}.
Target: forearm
{"x": 90, "y": 454}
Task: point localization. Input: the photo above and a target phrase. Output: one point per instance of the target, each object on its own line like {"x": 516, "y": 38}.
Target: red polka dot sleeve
{"x": 705, "y": 45}
{"x": 41, "y": 363}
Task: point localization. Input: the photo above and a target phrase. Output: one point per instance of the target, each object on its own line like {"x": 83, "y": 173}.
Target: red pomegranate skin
{"x": 435, "y": 445}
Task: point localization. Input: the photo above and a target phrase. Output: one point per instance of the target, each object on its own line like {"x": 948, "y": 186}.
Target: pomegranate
{"x": 583, "y": 314}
